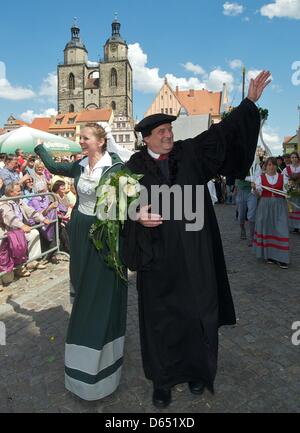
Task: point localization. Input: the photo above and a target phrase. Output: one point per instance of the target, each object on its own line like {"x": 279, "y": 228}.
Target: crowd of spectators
{"x": 24, "y": 204}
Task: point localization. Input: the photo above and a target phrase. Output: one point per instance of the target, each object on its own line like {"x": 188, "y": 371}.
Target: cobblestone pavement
{"x": 259, "y": 367}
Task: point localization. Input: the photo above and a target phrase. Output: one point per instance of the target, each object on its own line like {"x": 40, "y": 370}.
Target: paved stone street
{"x": 259, "y": 367}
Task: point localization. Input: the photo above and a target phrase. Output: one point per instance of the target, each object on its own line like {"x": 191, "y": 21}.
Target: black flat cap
{"x": 146, "y": 125}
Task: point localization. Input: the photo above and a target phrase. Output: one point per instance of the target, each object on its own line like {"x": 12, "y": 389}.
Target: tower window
{"x": 71, "y": 81}
{"x": 71, "y": 108}
{"x": 113, "y": 105}
{"x": 113, "y": 78}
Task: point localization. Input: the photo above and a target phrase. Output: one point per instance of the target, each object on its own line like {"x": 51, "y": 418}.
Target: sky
{"x": 195, "y": 44}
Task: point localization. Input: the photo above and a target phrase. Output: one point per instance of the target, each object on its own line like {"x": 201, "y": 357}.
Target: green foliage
{"x": 115, "y": 193}
{"x": 264, "y": 113}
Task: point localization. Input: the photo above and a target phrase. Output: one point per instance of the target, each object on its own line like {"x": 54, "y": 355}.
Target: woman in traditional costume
{"x": 292, "y": 179}
{"x": 271, "y": 236}
{"x": 95, "y": 337}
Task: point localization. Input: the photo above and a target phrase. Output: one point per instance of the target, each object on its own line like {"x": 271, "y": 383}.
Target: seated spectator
{"x": 15, "y": 214}
{"x": 28, "y": 190}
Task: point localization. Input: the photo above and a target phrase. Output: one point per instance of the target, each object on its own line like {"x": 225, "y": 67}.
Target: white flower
{"x": 131, "y": 190}
{"x": 122, "y": 181}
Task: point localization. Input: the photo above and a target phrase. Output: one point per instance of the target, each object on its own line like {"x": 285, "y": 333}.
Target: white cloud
{"x": 49, "y": 86}
{"x": 8, "y": 91}
{"x": 282, "y": 9}
{"x": 216, "y": 79}
{"x": 272, "y": 140}
{"x": 235, "y": 64}
{"x": 196, "y": 69}
{"x": 232, "y": 9}
{"x": 252, "y": 73}
{"x": 147, "y": 79}
{"x": 29, "y": 115}
{"x": 185, "y": 83}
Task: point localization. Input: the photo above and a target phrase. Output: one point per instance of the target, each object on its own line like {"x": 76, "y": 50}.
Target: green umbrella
{"x": 25, "y": 138}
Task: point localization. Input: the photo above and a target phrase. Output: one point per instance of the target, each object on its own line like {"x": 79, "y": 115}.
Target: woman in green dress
{"x": 95, "y": 337}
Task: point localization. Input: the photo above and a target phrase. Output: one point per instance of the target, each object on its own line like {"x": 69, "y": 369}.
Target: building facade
{"x": 190, "y": 102}
{"x": 86, "y": 85}
{"x": 13, "y": 123}
{"x": 123, "y": 132}
{"x": 291, "y": 143}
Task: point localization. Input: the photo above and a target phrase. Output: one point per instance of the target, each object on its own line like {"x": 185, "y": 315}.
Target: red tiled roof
{"x": 21, "y": 123}
{"x": 96, "y": 115}
{"x": 200, "y": 101}
{"x": 41, "y": 123}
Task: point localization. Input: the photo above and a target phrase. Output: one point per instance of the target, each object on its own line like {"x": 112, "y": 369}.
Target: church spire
{"x": 75, "y": 31}
{"x": 116, "y": 25}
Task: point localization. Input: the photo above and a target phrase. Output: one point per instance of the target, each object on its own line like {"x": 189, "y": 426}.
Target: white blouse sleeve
{"x": 257, "y": 182}
{"x": 285, "y": 177}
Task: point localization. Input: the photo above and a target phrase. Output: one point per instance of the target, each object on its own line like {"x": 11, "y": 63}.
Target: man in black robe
{"x": 182, "y": 283}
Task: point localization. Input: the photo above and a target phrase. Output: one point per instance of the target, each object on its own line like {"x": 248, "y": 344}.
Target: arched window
{"x": 113, "y": 105}
{"x": 71, "y": 108}
{"x": 113, "y": 78}
{"x": 94, "y": 74}
{"x": 71, "y": 81}
{"x": 92, "y": 106}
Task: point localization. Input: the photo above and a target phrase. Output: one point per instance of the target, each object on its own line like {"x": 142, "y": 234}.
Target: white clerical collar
{"x": 153, "y": 154}
{"x": 105, "y": 161}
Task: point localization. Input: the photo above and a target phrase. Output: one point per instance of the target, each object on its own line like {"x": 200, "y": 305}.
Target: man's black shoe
{"x": 161, "y": 397}
{"x": 197, "y": 387}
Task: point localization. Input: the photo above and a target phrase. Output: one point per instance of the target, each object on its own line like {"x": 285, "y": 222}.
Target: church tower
{"x": 71, "y": 74}
{"x": 116, "y": 74}
{"x": 84, "y": 85}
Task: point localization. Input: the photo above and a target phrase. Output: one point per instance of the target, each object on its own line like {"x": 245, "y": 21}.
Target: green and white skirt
{"x": 95, "y": 337}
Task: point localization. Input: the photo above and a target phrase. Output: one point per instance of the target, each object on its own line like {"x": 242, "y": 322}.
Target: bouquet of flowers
{"x": 114, "y": 196}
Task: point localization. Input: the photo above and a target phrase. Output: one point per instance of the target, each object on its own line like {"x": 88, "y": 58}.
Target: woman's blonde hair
{"x": 38, "y": 163}
{"x": 99, "y": 133}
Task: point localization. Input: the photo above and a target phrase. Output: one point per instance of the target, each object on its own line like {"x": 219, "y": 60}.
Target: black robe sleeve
{"x": 228, "y": 147}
